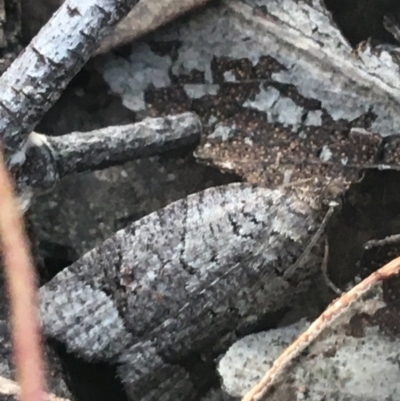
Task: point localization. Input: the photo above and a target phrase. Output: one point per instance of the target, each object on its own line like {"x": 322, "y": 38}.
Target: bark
{"x": 145, "y": 17}
{"x": 286, "y": 78}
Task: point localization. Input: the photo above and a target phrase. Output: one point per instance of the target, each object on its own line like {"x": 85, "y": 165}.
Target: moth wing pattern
{"x": 176, "y": 281}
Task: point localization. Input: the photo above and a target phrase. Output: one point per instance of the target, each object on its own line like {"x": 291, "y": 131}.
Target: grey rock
{"x": 249, "y": 358}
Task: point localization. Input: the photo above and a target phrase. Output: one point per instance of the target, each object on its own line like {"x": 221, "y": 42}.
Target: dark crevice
{"x": 268, "y": 321}
{"x": 90, "y": 381}
{"x": 56, "y": 257}
{"x": 361, "y": 20}
{"x": 86, "y": 104}
{"x": 186, "y": 267}
{"x": 202, "y": 373}
{"x": 371, "y": 210}
{"x": 292, "y": 92}
{"x": 252, "y": 218}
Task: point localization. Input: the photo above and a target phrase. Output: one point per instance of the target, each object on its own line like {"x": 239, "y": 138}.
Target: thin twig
{"x": 291, "y": 269}
{"x": 324, "y": 269}
{"x": 10, "y": 387}
{"x": 21, "y": 284}
{"x": 78, "y": 152}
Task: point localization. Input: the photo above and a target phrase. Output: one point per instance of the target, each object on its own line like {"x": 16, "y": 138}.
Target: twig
{"x": 392, "y": 26}
{"x": 9, "y": 387}
{"x": 291, "y": 269}
{"x": 78, "y": 151}
{"x": 324, "y": 269}
{"x": 51, "y": 158}
{"x": 20, "y": 277}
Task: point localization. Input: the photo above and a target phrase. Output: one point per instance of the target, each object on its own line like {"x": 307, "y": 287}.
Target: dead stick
{"x": 21, "y": 284}
{"x": 9, "y": 387}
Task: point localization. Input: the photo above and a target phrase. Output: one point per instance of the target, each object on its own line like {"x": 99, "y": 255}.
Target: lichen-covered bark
{"x": 353, "y": 343}
{"x": 353, "y": 359}
{"x": 280, "y": 93}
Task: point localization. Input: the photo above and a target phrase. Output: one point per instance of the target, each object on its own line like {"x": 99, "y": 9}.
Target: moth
{"x": 180, "y": 283}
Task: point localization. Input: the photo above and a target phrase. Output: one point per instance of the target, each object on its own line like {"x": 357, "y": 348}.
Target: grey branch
{"x": 180, "y": 280}
{"x": 77, "y": 152}
{"x": 51, "y": 158}
{"x": 37, "y": 77}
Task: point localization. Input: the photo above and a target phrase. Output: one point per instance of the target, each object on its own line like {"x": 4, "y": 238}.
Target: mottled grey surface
{"x": 178, "y": 281}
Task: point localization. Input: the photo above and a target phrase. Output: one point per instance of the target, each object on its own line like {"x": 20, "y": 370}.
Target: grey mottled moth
{"x": 181, "y": 281}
